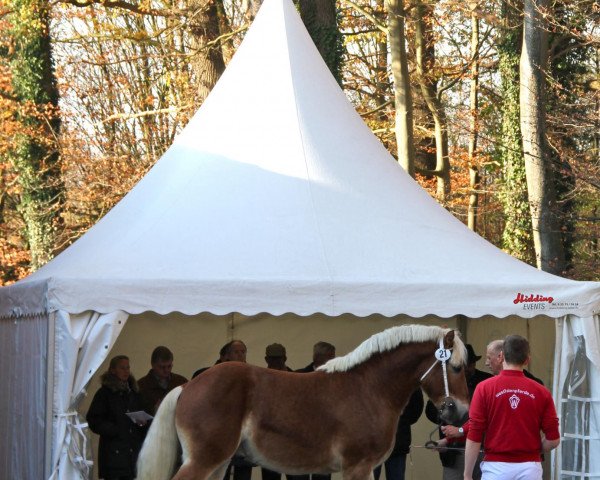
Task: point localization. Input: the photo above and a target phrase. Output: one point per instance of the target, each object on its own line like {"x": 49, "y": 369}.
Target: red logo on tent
{"x": 522, "y": 298}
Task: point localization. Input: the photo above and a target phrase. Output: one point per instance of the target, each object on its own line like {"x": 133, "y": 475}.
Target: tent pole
{"x": 462, "y": 323}
{"x": 51, "y": 335}
{"x": 231, "y": 327}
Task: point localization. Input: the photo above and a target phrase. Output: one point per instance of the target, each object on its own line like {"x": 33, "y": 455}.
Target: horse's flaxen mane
{"x": 390, "y": 339}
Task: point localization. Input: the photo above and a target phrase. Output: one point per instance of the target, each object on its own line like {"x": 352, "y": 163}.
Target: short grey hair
{"x": 496, "y": 346}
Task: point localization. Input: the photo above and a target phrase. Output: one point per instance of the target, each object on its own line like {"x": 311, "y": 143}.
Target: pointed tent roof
{"x": 277, "y": 197}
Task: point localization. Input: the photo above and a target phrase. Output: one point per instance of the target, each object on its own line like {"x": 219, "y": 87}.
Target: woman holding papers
{"x": 121, "y": 437}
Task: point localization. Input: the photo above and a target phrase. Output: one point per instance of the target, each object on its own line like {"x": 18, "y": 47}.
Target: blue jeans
{"x": 394, "y": 468}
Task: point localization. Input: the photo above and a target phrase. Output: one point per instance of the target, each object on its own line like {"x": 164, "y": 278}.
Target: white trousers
{"x": 511, "y": 471}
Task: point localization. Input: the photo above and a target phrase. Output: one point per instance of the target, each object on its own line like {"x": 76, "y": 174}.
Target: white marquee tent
{"x": 275, "y": 198}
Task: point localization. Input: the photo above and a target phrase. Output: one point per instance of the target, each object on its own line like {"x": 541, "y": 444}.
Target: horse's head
{"x": 450, "y": 394}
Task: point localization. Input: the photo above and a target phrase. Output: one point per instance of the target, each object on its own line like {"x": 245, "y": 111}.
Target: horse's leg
{"x": 361, "y": 471}
{"x": 219, "y": 473}
{"x": 205, "y": 455}
{"x": 193, "y": 471}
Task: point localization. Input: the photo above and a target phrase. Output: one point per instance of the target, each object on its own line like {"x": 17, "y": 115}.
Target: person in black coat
{"x": 322, "y": 353}
{"x": 276, "y": 358}
{"x": 395, "y": 465}
{"x": 453, "y": 459}
{"x": 160, "y": 379}
{"x": 120, "y": 438}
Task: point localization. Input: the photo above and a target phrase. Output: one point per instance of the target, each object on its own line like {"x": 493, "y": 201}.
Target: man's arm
{"x": 550, "y": 426}
{"x": 471, "y": 454}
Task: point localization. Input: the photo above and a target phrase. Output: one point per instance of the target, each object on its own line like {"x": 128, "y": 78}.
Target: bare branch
{"x": 124, "y": 5}
{"x": 375, "y": 21}
{"x": 145, "y": 113}
{"x": 375, "y": 110}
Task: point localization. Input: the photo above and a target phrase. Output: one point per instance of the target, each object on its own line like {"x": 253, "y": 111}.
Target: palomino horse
{"x": 343, "y": 417}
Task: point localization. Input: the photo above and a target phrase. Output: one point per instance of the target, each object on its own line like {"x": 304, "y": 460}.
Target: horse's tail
{"x": 161, "y": 447}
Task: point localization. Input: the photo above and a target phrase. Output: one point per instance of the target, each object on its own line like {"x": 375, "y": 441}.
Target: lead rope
{"x": 446, "y": 352}
{"x": 441, "y": 355}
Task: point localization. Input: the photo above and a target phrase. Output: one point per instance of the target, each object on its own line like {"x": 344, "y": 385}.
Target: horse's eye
{"x": 456, "y": 369}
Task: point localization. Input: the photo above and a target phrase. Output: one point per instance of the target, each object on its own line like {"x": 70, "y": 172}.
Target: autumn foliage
{"x": 128, "y": 85}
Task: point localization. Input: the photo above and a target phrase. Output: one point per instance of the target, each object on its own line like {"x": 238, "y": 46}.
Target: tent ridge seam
{"x": 308, "y": 177}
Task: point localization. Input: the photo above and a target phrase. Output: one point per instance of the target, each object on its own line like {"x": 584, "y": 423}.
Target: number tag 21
{"x": 443, "y": 354}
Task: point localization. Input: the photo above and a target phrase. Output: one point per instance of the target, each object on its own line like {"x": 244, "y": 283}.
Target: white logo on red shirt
{"x": 514, "y": 401}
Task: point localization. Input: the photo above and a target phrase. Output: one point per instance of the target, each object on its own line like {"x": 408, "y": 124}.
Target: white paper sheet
{"x": 139, "y": 417}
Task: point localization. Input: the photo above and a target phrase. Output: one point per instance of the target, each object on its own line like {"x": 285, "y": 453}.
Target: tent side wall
{"x": 577, "y": 397}
{"x": 23, "y": 414}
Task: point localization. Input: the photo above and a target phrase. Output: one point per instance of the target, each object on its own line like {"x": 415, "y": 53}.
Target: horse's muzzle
{"x": 451, "y": 414}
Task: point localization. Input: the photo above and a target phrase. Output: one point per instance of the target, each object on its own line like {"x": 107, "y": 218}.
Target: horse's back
{"x": 232, "y": 390}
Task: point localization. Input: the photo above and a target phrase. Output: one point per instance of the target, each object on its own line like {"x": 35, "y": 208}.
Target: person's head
{"x": 472, "y": 359}
{"x": 322, "y": 353}
{"x": 162, "y": 362}
{"x": 235, "y": 351}
{"x": 223, "y": 353}
{"x": 516, "y": 350}
{"x": 494, "y": 356}
{"x": 275, "y": 356}
{"x": 119, "y": 367}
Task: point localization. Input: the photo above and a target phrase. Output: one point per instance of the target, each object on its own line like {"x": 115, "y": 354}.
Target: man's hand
{"x": 548, "y": 445}
{"x": 451, "y": 431}
{"x": 442, "y": 443}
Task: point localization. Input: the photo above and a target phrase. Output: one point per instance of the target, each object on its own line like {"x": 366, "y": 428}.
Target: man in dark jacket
{"x": 120, "y": 438}
{"x": 276, "y": 358}
{"x": 395, "y": 465}
{"x": 322, "y": 353}
{"x": 454, "y": 458}
{"x": 160, "y": 379}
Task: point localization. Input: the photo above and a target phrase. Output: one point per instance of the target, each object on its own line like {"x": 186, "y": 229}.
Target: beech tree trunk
{"x": 425, "y": 150}
{"x": 402, "y": 89}
{"x": 34, "y": 153}
{"x": 428, "y": 89}
{"x": 473, "y": 127}
{"x": 320, "y": 19}
{"x": 540, "y": 185}
{"x": 517, "y": 237}
{"x": 208, "y": 62}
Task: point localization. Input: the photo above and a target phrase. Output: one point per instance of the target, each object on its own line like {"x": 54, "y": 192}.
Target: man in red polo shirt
{"x": 511, "y": 410}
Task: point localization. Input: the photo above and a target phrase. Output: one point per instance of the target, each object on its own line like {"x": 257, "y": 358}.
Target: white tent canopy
{"x": 275, "y": 198}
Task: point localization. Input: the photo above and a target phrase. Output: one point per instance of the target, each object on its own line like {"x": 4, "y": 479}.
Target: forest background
{"x": 492, "y": 105}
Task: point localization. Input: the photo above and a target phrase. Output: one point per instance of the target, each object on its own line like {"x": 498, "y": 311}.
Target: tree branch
{"x": 8, "y": 96}
{"x": 375, "y": 110}
{"x": 145, "y": 113}
{"x": 375, "y": 21}
{"x": 124, "y": 5}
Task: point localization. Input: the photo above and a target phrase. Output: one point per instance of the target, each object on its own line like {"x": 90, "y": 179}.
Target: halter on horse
{"x": 342, "y": 417}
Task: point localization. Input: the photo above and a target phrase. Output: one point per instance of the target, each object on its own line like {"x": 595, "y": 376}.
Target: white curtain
{"x": 23, "y": 367}
{"x": 577, "y": 397}
{"x": 87, "y": 337}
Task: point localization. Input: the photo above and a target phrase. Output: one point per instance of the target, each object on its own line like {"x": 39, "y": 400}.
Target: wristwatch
{"x": 461, "y": 430}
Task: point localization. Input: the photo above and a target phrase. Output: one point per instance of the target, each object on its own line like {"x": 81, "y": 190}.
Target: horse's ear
{"x": 449, "y": 339}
